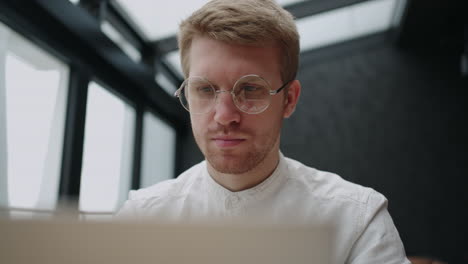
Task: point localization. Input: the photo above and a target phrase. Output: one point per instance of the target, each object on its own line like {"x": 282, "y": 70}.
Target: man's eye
{"x": 204, "y": 89}
{"x": 250, "y": 88}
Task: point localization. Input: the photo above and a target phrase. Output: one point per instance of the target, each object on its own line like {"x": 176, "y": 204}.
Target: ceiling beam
{"x": 165, "y": 45}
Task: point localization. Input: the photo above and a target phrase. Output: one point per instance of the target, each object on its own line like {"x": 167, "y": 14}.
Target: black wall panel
{"x": 394, "y": 121}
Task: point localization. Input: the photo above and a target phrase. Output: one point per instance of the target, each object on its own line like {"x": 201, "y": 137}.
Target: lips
{"x": 225, "y": 142}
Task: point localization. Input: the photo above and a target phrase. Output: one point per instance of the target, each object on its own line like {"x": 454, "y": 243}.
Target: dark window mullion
{"x": 181, "y": 133}
{"x": 137, "y": 148}
{"x": 74, "y": 137}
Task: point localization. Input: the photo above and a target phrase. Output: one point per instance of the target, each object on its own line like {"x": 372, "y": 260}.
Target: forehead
{"x": 218, "y": 60}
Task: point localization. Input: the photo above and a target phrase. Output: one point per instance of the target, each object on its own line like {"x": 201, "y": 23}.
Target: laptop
{"x": 122, "y": 242}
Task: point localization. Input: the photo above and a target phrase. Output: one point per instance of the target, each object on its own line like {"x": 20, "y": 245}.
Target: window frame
{"x": 22, "y": 54}
{"x": 69, "y": 33}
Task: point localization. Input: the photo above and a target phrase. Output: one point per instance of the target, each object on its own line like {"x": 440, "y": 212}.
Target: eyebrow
{"x": 216, "y": 87}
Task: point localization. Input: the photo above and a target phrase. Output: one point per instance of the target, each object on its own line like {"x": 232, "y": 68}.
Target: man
{"x": 240, "y": 59}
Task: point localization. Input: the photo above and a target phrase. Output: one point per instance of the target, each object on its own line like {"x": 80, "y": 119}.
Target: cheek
{"x": 198, "y": 125}
{"x": 271, "y": 123}
{"x": 274, "y": 113}
{"x": 265, "y": 125}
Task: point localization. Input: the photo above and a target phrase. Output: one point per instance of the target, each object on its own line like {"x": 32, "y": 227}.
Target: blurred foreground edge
{"x": 119, "y": 242}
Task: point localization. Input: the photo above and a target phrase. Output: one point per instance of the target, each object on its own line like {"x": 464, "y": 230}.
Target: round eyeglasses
{"x": 251, "y": 94}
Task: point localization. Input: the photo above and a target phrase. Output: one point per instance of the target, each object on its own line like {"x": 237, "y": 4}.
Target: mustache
{"x": 221, "y": 130}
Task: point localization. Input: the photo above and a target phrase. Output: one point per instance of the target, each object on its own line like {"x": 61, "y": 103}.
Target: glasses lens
{"x": 252, "y": 94}
{"x": 198, "y": 95}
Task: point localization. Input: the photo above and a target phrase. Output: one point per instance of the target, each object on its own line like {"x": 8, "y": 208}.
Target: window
{"x": 33, "y": 93}
{"x": 158, "y": 151}
{"x": 348, "y": 23}
{"x": 159, "y": 21}
{"x": 108, "y": 151}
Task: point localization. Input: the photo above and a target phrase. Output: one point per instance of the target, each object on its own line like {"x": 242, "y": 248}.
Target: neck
{"x": 244, "y": 181}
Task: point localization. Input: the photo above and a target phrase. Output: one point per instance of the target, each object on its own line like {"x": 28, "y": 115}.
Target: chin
{"x": 235, "y": 163}
{"x": 229, "y": 168}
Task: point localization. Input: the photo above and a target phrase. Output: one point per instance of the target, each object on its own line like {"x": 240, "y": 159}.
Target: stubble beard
{"x": 239, "y": 163}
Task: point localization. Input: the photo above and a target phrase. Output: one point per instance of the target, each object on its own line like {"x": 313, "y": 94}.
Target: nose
{"x": 226, "y": 112}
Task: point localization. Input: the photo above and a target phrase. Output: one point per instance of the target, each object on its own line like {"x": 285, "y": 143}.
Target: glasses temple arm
{"x": 273, "y": 92}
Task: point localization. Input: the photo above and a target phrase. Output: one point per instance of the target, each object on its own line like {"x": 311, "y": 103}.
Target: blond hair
{"x": 244, "y": 22}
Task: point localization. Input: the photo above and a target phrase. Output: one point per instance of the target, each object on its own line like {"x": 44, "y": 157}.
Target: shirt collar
{"x": 269, "y": 184}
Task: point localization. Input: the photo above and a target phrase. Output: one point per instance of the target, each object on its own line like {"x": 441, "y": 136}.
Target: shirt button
{"x": 231, "y": 201}
{"x": 235, "y": 199}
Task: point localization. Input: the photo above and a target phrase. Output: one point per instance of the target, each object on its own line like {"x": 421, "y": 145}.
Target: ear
{"x": 290, "y": 102}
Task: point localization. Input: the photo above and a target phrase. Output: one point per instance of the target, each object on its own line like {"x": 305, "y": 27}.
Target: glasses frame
{"x": 233, "y": 96}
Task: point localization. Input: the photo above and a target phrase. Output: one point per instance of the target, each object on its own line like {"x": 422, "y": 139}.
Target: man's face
{"x": 232, "y": 141}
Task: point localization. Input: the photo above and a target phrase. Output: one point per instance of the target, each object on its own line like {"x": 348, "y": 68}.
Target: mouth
{"x": 227, "y": 142}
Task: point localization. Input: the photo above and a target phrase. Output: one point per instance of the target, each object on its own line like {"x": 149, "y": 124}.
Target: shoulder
{"x": 362, "y": 225}
{"x": 330, "y": 186}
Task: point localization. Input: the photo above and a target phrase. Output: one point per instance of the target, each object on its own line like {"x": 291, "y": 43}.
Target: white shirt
{"x": 364, "y": 231}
